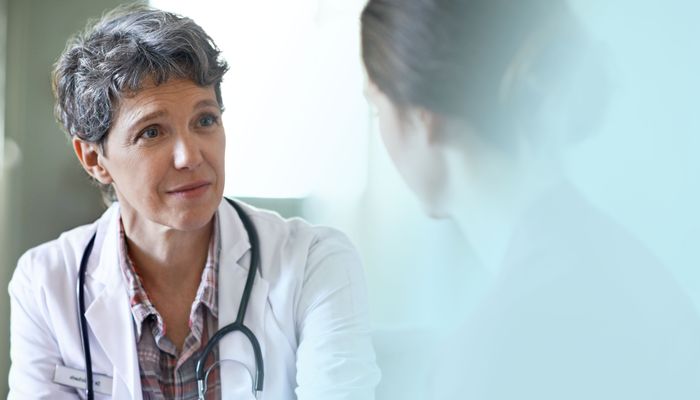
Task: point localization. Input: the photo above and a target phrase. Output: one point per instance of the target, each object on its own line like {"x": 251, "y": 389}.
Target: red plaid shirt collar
{"x": 141, "y": 306}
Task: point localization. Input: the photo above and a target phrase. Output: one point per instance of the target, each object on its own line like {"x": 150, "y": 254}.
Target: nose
{"x": 187, "y": 153}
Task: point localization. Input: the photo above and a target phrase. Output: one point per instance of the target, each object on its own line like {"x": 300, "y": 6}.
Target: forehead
{"x": 175, "y": 95}
{"x": 172, "y": 89}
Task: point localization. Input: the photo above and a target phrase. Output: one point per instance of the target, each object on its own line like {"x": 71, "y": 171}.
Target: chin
{"x": 195, "y": 218}
{"x": 433, "y": 204}
{"x": 435, "y": 212}
{"x": 192, "y": 223}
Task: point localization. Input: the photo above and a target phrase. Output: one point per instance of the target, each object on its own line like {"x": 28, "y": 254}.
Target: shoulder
{"x": 305, "y": 258}
{"x": 296, "y": 234}
{"x": 54, "y": 261}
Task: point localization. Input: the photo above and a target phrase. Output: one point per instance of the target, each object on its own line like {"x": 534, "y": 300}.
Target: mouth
{"x": 192, "y": 189}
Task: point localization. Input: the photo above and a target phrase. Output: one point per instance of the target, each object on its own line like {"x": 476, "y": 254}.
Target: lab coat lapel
{"x": 109, "y": 316}
{"x": 233, "y": 271}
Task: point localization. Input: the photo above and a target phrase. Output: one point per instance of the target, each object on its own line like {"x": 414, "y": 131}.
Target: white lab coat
{"x": 308, "y": 309}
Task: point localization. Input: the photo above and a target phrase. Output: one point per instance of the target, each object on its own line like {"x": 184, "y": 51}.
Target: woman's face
{"x": 165, "y": 154}
{"x": 409, "y": 138}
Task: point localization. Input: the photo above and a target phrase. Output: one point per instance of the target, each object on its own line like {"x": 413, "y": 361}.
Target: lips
{"x": 191, "y": 188}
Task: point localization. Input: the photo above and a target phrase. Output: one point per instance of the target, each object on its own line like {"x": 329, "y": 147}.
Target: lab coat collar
{"x": 234, "y": 238}
{"x": 109, "y": 316}
{"x": 112, "y": 324}
{"x": 234, "y": 264}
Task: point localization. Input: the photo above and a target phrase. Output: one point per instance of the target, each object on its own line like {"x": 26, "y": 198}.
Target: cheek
{"x": 217, "y": 151}
{"x": 135, "y": 172}
{"x": 391, "y": 134}
{"x": 216, "y": 157}
{"x": 402, "y": 153}
{"x": 222, "y": 150}
{"x": 418, "y": 163}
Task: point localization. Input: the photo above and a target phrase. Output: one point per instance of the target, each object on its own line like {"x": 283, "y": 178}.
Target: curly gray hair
{"x": 114, "y": 56}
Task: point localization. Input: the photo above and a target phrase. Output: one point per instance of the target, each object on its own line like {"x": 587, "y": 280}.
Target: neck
{"x": 166, "y": 258}
{"x": 487, "y": 201}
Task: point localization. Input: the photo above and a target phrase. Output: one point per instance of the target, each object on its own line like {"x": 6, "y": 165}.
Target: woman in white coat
{"x": 168, "y": 263}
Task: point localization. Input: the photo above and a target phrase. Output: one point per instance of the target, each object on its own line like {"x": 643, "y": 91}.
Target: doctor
{"x": 136, "y": 296}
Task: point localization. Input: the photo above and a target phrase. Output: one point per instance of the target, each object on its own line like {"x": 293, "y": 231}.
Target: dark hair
{"x": 114, "y": 56}
{"x": 492, "y": 63}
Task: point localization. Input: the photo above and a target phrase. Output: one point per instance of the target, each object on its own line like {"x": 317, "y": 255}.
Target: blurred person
{"x": 177, "y": 292}
{"x": 477, "y": 101}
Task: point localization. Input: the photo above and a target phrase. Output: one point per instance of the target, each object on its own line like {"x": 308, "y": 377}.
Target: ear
{"x": 91, "y": 158}
{"x": 431, "y": 124}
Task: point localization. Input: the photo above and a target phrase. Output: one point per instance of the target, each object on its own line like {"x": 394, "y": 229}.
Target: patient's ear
{"x": 91, "y": 157}
{"x": 431, "y": 124}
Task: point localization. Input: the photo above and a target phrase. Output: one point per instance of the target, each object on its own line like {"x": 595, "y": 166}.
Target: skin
{"x": 457, "y": 175}
{"x": 164, "y": 156}
{"x": 411, "y": 137}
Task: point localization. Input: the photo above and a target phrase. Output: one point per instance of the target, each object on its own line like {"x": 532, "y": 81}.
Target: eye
{"x": 149, "y": 133}
{"x": 208, "y": 120}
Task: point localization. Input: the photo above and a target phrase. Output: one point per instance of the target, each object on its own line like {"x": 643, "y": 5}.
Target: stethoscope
{"x": 235, "y": 326}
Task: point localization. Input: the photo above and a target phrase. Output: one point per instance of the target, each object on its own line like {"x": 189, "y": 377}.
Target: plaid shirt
{"x": 164, "y": 372}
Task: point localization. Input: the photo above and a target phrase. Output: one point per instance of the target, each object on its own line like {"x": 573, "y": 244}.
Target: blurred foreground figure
{"x": 477, "y": 101}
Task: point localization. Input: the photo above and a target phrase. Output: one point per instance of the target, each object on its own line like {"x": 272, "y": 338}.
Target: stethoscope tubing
{"x": 236, "y": 326}
{"x": 83, "y": 321}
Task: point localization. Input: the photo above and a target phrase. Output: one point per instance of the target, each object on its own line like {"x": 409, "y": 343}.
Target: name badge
{"x": 77, "y": 379}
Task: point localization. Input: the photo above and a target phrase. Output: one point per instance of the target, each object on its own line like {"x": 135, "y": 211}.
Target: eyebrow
{"x": 146, "y": 118}
{"x": 159, "y": 113}
{"x": 207, "y": 103}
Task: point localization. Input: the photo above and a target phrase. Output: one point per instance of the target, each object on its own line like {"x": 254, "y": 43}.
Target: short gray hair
{"x": 114, "y": 56}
